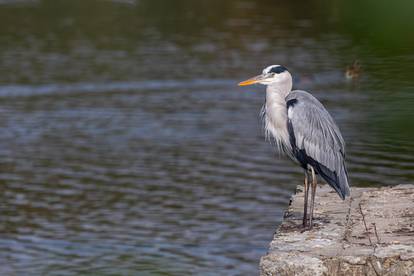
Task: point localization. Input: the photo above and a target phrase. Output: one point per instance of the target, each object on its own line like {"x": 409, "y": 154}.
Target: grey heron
{"x": 302, "y": 128}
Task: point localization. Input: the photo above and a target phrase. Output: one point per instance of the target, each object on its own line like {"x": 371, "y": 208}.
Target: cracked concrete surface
{"x": 370, "y": 233}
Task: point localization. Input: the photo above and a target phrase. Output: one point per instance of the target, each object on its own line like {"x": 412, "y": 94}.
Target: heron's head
{"x": 273, "y": 74}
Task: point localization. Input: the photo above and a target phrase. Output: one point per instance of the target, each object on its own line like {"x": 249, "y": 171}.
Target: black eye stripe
{"x": 278, "y": 69}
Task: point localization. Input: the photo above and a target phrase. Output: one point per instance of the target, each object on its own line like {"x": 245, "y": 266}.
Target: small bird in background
{"x": 353, "y": 71}
{"x": 303, "y": 129}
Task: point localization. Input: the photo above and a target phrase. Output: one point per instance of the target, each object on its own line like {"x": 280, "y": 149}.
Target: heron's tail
{"x": 337, "y": 180}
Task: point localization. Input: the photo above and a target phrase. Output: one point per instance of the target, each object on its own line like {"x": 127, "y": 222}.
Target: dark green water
{"x": 126, "y": 147}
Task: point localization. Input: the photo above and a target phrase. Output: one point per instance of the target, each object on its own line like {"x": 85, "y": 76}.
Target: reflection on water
{"x": 126, "y": 147}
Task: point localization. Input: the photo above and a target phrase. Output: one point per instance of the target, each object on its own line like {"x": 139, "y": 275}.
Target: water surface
{"x": 126, "y": 147}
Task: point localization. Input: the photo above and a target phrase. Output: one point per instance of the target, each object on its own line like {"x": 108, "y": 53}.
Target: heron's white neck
{"x": 275, "y": 112}
{"x": 281, "y": 88}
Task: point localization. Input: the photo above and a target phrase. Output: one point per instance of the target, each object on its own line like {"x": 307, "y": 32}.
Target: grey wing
{"x": 316, "y": 140}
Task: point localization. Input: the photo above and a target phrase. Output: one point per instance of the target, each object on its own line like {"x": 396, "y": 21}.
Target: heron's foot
{"x": 304, "y": 221}
{"x": 306, "y": 228}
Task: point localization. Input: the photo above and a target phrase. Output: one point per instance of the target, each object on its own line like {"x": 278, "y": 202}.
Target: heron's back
{"x": 316, "y": 140}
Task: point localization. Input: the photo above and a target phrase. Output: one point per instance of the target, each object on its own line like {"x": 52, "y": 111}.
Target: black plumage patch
{"x": 278, "y": 69}
{"x": 291, "y": 103}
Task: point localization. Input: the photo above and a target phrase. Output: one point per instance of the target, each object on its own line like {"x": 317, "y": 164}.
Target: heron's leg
{"x": 314, "y": 183}
{"x": 305, "y": 200}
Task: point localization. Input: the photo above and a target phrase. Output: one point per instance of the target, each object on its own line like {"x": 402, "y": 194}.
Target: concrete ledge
{"x": 370, "y": 233}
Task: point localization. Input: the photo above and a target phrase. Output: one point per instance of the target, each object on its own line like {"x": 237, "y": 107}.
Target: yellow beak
{"x": 253, "y": 80}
